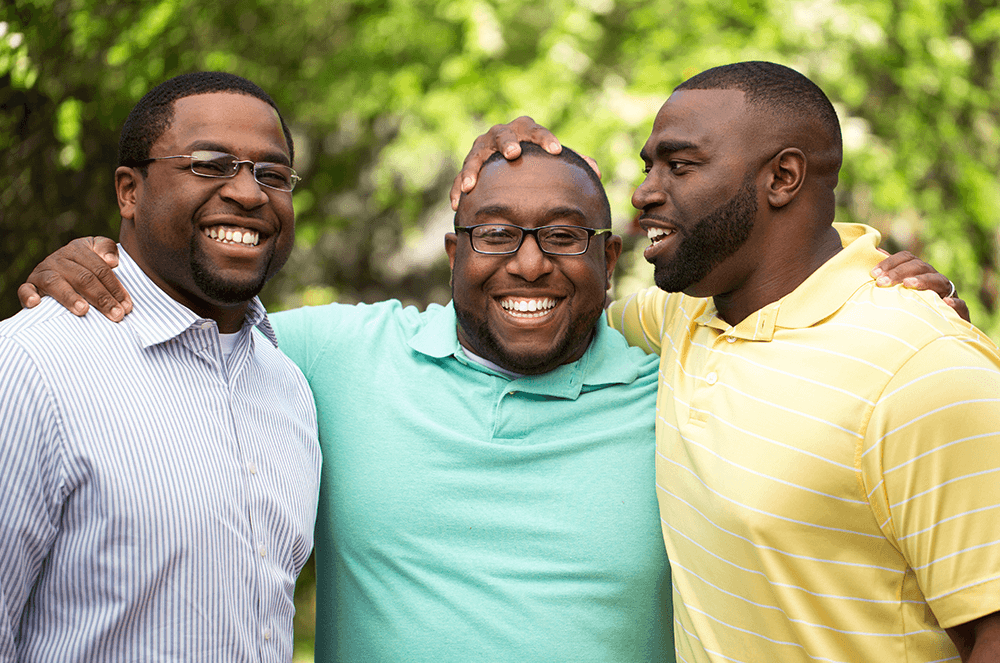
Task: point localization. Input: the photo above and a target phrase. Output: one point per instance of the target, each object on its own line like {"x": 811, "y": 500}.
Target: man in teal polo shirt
{"x": 478, "y": 502}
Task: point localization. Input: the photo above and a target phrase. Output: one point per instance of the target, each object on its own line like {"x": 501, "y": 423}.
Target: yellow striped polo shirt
{"x": 828, "y": 470}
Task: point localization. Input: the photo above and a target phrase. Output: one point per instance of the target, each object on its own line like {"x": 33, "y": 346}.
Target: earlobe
{"x": 126, "y": 185}
{"x": 787, "y": 174}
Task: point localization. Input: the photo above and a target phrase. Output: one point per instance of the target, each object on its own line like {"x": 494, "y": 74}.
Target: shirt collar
{"x": 156, "y": 317}
{"x": 818, "y": 297}
{"x": 606, "y": 361}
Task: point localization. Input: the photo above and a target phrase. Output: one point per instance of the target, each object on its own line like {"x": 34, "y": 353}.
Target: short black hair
{"x": 774, "y": 87}
{"x": 572, "y": 158}
{"x": 152, "y": 116}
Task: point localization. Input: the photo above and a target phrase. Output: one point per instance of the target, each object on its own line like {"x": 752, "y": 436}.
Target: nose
{"x": 243, "y": 189}
{"x": 649, "y": 194}
{"x": 530, "y": 263}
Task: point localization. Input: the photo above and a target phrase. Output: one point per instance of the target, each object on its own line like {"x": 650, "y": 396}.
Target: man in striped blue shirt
{"x": 163, "y": 511}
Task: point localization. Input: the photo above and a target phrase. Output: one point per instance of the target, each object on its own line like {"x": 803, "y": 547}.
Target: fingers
{"x": 960, "y": 307}
{"x": 28, "y": 296}
{"x": 885, "y": 273}
{"x": 75, "y": 275}
{"x": 593, "y": 164}
{"x": 906, "y": 269}
{"x": 911, "y": 272}
{"x": 503, "y": 138}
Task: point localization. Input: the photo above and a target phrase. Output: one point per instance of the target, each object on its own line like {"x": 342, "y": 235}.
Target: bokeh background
{"x": 384, "y": 98}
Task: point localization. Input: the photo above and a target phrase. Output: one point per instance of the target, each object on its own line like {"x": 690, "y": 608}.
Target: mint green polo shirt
{"x": 467, "y": 516}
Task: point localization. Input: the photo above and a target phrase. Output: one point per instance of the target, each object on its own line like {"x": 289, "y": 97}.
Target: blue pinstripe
{"x": 156, "y": 501}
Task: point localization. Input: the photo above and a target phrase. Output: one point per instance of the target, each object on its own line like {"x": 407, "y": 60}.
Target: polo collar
{"x": 606, "y": 360}
{"x": 818, "y": 297}
{"x": 156, "y": 317}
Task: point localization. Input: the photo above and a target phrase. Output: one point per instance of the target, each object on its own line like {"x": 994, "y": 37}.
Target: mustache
{"x": 656, "y": 217}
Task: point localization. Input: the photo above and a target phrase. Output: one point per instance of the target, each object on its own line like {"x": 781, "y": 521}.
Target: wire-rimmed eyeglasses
{"x": 207, "y": 163}
{"x": 502, "y": 239}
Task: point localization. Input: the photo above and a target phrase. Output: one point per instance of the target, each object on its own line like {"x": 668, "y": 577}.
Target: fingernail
{"x": 882, "y": 280}
{"x": 127, "y": 306}
{"x": 909, "y": 282}
{"x": 117, "y": 313}
{"x": 553, "y": 148}
{"x": 510, "y": 152}
{"x": 79, "y": 308}
{"x": 468, "y": 183}
{"x": 876, "y": 272}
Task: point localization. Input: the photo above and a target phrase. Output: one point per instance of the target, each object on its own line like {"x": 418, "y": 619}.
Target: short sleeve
{"x": 304, "y": 333}
{"x": 931, "y": 468}
{"x": 643, "y": 317}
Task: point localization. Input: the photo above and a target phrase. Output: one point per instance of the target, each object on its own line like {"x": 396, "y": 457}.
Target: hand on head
{"x": 505, "y": 139}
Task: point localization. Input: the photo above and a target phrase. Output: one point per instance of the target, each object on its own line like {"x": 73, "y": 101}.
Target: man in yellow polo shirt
{"x": 828, "y": 466}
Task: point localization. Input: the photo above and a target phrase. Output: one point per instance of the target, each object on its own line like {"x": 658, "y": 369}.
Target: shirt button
{"x": 252, "y": 468}
{"x": 267, "y": 634}
{"x": 731, "y": 339}
{"x": 262, "y": 551}
{"x": 510, "y": 393}
{"x": 206, "y": 324}
{"x": 712, "y": 378}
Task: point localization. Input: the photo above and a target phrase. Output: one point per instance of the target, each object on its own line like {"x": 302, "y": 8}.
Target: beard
{"x": 713, "y": 238}
{"x": 226, "y": 289}
{"x": 488, "y": 344}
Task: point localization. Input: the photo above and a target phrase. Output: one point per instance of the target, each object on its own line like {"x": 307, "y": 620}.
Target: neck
{"x": 777, "y": 275}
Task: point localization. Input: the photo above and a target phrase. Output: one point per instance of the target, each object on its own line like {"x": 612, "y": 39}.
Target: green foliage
{"x": 386, "y": 96}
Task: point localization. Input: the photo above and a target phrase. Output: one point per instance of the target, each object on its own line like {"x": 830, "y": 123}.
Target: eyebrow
{"x": 270, "y": 157}
{"x": 667, "y": 147}
{"x": 507, "y": 212}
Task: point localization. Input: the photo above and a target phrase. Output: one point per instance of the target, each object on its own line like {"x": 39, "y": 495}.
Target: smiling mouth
{"x": 232, "y": 235}
{"x": 656, "y": 234}
{"x": 528, "y": 308}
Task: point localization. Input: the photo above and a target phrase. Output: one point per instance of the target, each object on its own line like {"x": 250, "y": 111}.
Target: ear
{"x": 787, "y": 173}
{"x": 450, "y": 246}
{"x": 127, "y": 183}
{"x": 612, "y": 250}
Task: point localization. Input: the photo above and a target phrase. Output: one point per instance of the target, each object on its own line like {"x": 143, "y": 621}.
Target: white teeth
{"x": 655, "y": 234}
{"x": 528, "y": 308}
{"x": 230, "y": 236}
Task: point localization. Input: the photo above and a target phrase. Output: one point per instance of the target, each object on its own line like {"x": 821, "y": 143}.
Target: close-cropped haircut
{"x": 154, "y": 113}
{"x": 774, "y": 88}
{"x": 569, "y": 156}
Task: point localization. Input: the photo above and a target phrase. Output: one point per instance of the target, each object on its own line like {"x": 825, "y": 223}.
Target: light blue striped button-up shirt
{"x": 157, "y": 501}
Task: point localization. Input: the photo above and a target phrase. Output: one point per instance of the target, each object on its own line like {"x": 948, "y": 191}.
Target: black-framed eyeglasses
{"x": 207, "y": 163}
{"x": 497, "y": 239}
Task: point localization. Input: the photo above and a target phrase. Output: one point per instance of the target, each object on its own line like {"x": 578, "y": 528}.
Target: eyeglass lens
{"x": 551, "y": 239}
{"x": 220, "y": 164}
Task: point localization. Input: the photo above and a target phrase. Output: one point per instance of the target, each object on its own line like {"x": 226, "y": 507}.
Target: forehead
{"x": 705, "y": 119}
{"x": 534, "y": 190}
{"x": 236, "y": 123}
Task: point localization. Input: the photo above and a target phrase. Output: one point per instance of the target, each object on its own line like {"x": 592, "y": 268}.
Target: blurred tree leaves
{"x": 385, "y": 97}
